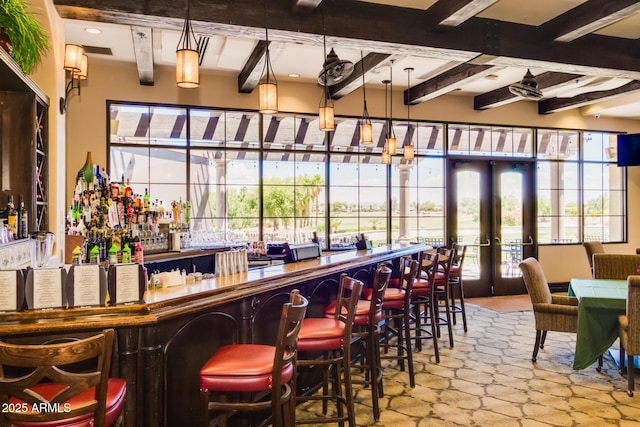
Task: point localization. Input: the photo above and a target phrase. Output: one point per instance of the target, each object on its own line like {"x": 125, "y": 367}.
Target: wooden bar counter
{"x": 162, "y": 343}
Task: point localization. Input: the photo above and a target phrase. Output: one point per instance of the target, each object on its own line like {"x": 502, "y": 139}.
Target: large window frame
{"x": 250, "y": 175}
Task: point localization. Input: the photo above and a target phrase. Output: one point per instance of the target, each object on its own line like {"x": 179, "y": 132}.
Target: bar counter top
{"x": 166, "y": 303}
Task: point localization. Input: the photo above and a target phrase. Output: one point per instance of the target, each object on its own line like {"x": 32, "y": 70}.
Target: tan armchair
{"x": 556, "y": 313}
{"x": 615, "y": 266}
{"x": 630, "y": 330}
{"x": 593, "y": 248}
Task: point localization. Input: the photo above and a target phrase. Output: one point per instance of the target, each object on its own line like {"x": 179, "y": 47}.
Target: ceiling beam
{"x": 451, "y": 13}
{"x": 375, "y": 27}
{"x": 445, "y": 82}
{"x": 555, "y": 105}
{"x": 354, "y": 81}
{"x": 502, "y": 96}
{"x": 143, "y": 48}
{"x": 588, "y": 17}
{"x": 251, "y": 73}
{"x": 304, "y": 7}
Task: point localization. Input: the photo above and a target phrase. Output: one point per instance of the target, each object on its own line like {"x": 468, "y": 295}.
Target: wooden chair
{"x": 248, "y": 370}
{"x": 424, "y": 302}
{"x": 615, "y": 266}
{"x": 629, "y": 330}
{"x": 45, "y": 380}
{"x": 592, "y": 248}
{"x": 557, "y": 313}
{"x": 397, "y": 317}
{"x": 456, "y": 288}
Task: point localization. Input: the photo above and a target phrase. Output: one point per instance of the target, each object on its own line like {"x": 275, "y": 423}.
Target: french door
{"x": 491, "y": 210}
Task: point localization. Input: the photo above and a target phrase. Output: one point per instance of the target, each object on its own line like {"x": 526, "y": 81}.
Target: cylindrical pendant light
{"x": 391, "y": 135}
{"x": 408, "y": 150}
{"x": 187, "y": 57}
{"x": 326, "y": 119}
{"x": 366, "y": 128}
{"x": 268, "y": 87}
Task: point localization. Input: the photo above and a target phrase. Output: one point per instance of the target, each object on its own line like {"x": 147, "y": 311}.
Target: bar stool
{"x": 332, "y": 337}
{"x": 247, "y": 370}
{"x": 424, "y": 302}
{"x": 456, "y": 285}
{"x": 443, "y": 290}
{"x": 367, "y": 328}
{"x": 85, "y": 398}
{"x": 397, "y": 317}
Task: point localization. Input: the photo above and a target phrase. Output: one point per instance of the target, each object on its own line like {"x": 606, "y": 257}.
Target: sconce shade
{"x": 366, "y": 132}
{"x": 73, "y": 57}
{"x": 326, "y": 118}
{"x": 187, "y": 68}
{"x": 268, "y": 93}
{"x": 392, "y": 145}
{"x": 409, "y": 152}
{"x": 84, "y": 69}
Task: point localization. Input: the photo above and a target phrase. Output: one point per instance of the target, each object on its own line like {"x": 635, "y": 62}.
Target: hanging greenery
{"x": 28, "y": 39}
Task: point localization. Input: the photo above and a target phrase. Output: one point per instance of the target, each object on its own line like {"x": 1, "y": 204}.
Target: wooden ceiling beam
{"x": 251, "y": 73}
{"x": 451, "y": 13}
{"x": 445, "y": 82}
{"x": 555, "y": 105}
{"x": 304, "y": 7}
{"x": 354, "y": 81}
{"x": 143, "y": 49}
{"x": 374, "y": 27}
{"x": 502, "y": 96}
{"x": 588, "y": 17}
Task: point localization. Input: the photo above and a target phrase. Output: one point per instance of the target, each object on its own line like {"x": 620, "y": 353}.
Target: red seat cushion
{"x": 320, "y": 334}
{"x": 394, "y": 283}
{"x": 116, "y": 393}
{"x": 394, "y": 299}
{"x": 421, "y": 287}
{"x": 241, "y": 367}
{"x": 362, "y": 310}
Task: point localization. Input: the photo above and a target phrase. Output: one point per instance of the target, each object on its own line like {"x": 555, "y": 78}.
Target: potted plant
{"x": 28, "y": 39}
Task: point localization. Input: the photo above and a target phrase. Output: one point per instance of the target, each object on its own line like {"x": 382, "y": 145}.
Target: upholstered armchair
{"x": 556, "y": 313}
{"x": 615, "y": 266}
{"x": 630, "y": 330}
{"x": 593, "y": 248}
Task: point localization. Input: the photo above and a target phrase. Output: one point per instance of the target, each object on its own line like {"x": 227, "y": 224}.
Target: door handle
{"x": 498, "y": 241}
{"x": 529, "y": 243}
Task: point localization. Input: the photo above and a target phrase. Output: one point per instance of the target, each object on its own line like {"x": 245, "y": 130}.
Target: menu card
{"x": 11, "y": 290}
{"x": 126, "y": 283}
{"x": 86, "y": 285}
{"x": 44, "y": 288}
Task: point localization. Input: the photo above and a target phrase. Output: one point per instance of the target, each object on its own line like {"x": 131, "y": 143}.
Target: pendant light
{"x": 366, "y": 128}
{"x": 326, "y": 118}
{"x": 391, "y": 135}
{"x": 386, "y": 157}
{"x": 187, "y": 57}
{"x": 268, "y": 87}
{"x": 408, "y": 148}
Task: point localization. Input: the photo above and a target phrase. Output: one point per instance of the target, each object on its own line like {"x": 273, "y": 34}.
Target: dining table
{"x": 600, "y": 302}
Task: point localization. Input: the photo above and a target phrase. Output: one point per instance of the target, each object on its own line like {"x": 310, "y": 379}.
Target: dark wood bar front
{"x": 162, "y": 343}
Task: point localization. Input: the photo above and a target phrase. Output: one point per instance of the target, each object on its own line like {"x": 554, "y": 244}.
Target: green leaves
{"x": 29, "y": 40}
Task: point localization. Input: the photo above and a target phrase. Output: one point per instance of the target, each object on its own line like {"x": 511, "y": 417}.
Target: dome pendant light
{"x": 268, "y": 87}
{"x": 408, "y": 148}
{"x": 187, "y": 57}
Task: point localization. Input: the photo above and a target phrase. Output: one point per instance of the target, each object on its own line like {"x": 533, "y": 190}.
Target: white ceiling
{"x": 229, "y": 54}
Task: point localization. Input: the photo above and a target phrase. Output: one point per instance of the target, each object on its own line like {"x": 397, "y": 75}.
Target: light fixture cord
{"x": 364, "y": 86}
{"x": 408, "y": 103}
{"x": 391, "y": 132}
{"x": 187, "y": 31}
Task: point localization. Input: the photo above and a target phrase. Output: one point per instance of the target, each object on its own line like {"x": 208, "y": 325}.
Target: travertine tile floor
{"x": 488, "y": 379}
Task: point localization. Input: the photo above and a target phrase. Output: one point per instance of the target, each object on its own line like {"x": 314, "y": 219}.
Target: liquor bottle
{"x": 86, "y": 171}
{"x": 23, "y": 220}
{"x": 128, "y": 191}
{"x": 98, "y": 176}
{"x": 126, "y": 254}
{"x": 12, "y": 218}
{"x": 145, "y": 200}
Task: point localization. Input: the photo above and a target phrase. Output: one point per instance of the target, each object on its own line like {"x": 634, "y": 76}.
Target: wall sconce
{"x": 187, "y": 57}
{"x": 77, "y": 64}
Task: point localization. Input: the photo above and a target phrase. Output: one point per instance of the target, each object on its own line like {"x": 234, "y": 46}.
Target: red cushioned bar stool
{"x": 367, "y": 329}
{"x": 424, "y": 302}
{"x": 397, "y": 317}
{"x": 331, "y": 337}
{"x": 254, "y": 377}
{"x": 72, "y": 399}
{"x": 443, "y": 290}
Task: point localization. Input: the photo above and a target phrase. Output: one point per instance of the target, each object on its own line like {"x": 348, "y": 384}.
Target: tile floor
{"x": 488, "y": 379}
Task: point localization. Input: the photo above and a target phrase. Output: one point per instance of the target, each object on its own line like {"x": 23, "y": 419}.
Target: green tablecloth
{"x": 600, "y": 303}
